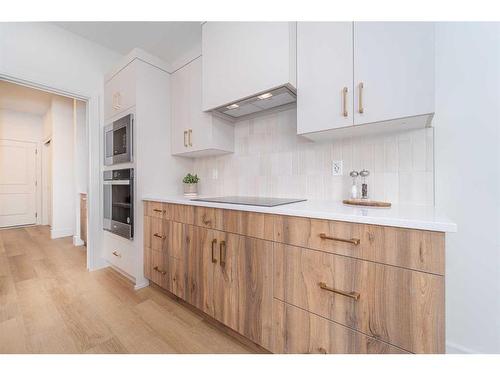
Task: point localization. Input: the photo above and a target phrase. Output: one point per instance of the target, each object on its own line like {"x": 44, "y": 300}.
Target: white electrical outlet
{"x": 337, "y": 168}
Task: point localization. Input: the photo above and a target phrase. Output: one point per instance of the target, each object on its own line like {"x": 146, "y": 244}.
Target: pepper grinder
{"x": 354, "y": 187}
{"x": 364, "y": 186}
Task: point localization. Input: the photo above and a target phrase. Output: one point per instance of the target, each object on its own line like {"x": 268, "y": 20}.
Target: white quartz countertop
{"x": 403, "y": 216}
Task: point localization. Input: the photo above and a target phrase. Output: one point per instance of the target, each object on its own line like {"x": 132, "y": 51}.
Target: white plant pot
{"x": 190, "y": 190}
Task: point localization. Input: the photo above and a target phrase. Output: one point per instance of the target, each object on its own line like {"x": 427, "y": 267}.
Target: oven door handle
{"x": 116, "y": 182}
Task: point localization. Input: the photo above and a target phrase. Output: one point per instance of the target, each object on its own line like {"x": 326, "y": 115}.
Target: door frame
{"x": 93, "y": 121}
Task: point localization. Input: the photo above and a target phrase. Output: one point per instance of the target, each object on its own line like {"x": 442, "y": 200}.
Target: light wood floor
{"x": 50, "y": 303}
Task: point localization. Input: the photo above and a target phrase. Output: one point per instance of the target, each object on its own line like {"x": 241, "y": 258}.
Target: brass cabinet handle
{"x": 223, "y": 253}
{"x": 214, "y": 242}
{"x": 360, "y": 102}
{"x": 116, "y": 254}
{"x": 185, "y": 135}
{"x": 190, "y": 131}
{"x": 160, "y": 236}
{"x": 344, "y": 98}
{"x": 353, "y": 295}
{"x": 159, "y": 270}
{"x": 158, "y": 210}
{"x": 354, "y": 241}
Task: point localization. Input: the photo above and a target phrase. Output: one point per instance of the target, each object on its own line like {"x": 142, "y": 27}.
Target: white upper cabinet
{"x": 194, "y": 132}
{"x": 119, "y": 91}
{"x": 394, "y": 63}
{"x": 387, "y": 68}
{"x": 242, "y": 59}
{"x": 324, "y": 80}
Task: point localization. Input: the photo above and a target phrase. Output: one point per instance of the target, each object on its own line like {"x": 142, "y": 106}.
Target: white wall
{"x": 48, "y": 55}
{"x": 25, "y": 127}
{"x": 63, "y": 180}
{"x": 271, "y": 160}
{"x": 467, "y": 163}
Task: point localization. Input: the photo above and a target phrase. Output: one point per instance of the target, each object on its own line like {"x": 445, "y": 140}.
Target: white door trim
{"x": 94, "y": 119}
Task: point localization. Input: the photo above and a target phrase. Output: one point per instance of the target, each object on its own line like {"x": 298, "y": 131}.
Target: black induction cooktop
{"x": 251, "y": 201}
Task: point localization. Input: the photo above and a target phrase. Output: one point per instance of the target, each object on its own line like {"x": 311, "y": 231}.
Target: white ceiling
{"x": 23, "y": 99}
{"x": 166, "y": 40}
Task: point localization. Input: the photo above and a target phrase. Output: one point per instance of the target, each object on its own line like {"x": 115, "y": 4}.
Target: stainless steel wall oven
{"x": 118, "y": 193}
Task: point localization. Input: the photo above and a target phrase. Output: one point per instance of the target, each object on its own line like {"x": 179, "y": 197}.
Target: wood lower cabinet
{"x": 301, "y": 285}
{"x": 396, "y": 305}
{"x": 300, "y": 332}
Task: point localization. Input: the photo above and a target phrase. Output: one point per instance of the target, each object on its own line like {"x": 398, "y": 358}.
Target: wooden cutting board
{"x": 366, "y": 203}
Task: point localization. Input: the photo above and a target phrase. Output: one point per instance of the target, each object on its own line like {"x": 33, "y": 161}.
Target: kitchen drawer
{"x": 119, "y": 92}
{"x": 156, "y": 268}
{"x": 156, "y": 209}
{"x": 396, "y": 305}
{"x": 120, "y": 253}
{"x": 157, "y": 234}
{"x": 208, "y": 217}
{"x": 409, "y": 248}
{"x": 252, "y": 224}
{"x": 180, "y": 213}
{"x": 298, "y": 331}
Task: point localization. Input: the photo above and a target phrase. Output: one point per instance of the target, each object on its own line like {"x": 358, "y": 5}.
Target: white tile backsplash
{"x": 271, "y": 160}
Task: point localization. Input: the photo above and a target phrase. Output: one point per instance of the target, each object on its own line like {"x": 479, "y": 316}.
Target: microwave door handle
{"x": 116, "y": 182}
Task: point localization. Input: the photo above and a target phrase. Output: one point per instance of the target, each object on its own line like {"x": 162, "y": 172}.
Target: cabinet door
{"x": 243, "y": 287}
{"x": 119, "y": 92}
{"x": 198, "y": 265}
{"x": 324, "y": 76}
{"x": 200, "y": 125}
{"x": 180, "y": 110}
{"x": 394, "y": 63}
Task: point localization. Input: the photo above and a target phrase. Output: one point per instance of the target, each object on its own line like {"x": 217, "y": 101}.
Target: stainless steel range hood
{"x": 275, "y": 98}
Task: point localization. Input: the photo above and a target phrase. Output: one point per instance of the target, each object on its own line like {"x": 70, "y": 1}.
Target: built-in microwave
{"x": 118, "y": 201}
{"x": 118, "y": 141}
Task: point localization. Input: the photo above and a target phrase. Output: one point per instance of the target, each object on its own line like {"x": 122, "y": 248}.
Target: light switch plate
{"x": 337, "y": 168}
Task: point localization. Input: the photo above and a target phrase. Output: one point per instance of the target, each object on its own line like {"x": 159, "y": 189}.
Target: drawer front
{"x": 414, "y": 249}
{"x": 180, "y": 213}
{"x": 396, "y": 305}
{"x": 252, "y": 224}
{"x": 208, "y": 217}
{"x": 156, "y": 209}
{"x": 157, "y": 234}
{"x": 156, "y": 268}
{"x": 297, "y": 331}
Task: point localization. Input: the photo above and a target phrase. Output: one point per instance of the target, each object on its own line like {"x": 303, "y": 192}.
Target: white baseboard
{"x": 453, "y": 348}
{"x": 58, "y": 233}
{"x": 77, "y": 241}
{"x": 141, "y": 284}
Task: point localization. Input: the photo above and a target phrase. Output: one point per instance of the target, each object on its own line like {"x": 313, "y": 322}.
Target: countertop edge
{"x": 289, "y": 210}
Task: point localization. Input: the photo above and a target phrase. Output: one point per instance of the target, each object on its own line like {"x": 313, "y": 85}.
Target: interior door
{"x": 324, "y": 76}
{"x": 394, "y": 63}
{"x": 17, "y": 183}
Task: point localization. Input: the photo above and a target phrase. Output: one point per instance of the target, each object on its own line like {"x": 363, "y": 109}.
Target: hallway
{"x": 50, "y": 303}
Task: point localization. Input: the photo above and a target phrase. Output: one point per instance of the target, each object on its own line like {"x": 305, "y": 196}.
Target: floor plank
{"x": 50, "y": 303}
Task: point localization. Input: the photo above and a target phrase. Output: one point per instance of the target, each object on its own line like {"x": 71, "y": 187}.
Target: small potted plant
{"x": 191, "y": 185}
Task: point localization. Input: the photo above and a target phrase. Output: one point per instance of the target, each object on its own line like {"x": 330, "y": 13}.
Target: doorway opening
{"x": 43, "y": 161}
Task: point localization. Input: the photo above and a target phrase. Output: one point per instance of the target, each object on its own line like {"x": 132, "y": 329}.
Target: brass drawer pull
{"x": 159, "y": 236}
{"x": 223, "y": 253}
{"x": 353, "y": 295}
{"x": 214, "y": 242}
{"x": 344, "y": 99}
{"x": 354, "y": 241}
{"x": 158, "y": 210}
{"x": 159, "y": 270}
{"x": 116, "y": 254}
{"x": 360, "y": 102}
